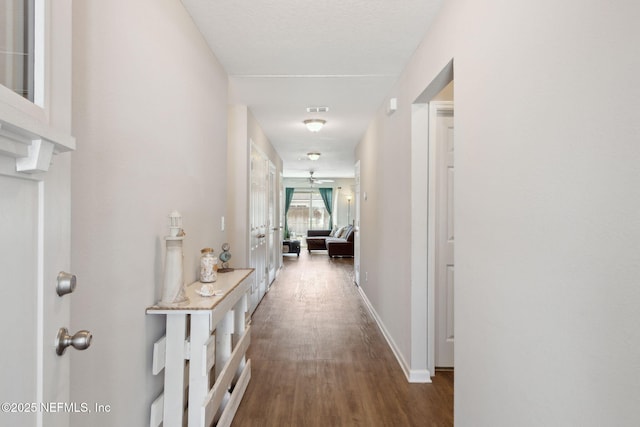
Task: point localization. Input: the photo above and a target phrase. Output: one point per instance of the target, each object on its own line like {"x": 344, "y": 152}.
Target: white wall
{"x": 150, "y": 117}
{"x": 546, "y": 131}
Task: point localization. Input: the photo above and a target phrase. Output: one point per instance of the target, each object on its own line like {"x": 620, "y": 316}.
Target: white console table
{"x": 214, "y": 344}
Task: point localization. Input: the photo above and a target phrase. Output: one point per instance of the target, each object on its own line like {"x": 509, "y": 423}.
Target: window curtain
{"x": 287, "y": 202}
{"x": 327, "y": 198}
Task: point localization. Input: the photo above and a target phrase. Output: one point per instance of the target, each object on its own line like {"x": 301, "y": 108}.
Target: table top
{"x": 223, "y": 286}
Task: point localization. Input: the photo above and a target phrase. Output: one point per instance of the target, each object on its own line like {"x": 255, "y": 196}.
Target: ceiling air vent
{"x": 317, "y": 109}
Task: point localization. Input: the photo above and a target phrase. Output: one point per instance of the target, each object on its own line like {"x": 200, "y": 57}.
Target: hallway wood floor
{"x": 319, "y": 359}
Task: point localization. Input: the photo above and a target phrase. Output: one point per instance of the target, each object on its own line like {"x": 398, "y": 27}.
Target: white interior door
{"x": 272, "y": 225}
{"x": 444, "y": 233}
{"x": 258, "y": 226}
{"x": 34, "y": 248}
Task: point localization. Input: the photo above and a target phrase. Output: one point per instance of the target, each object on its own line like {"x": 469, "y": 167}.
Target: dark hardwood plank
{"x": 319, "y": 359}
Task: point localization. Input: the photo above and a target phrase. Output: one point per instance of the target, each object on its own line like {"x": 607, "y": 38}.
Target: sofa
{"x": 337, "y": 242}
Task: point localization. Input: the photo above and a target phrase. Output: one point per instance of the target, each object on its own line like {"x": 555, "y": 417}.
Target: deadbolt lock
{"x": 66, "y": 283}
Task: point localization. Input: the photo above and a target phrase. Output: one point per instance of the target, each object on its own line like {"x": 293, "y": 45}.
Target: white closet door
{"x": 258, "y": 224}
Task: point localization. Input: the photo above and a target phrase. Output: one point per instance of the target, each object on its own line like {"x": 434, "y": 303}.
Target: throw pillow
{"x": 347, "y": 233}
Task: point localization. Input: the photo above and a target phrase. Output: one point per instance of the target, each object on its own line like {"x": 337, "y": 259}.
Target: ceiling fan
{"x": 313, "y": 180}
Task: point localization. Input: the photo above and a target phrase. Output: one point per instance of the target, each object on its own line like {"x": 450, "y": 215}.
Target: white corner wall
{"x": 243, "y": 129}
{"x": 150, "y": 118}
{"x": 546, "y": 130}
{"x": 239, "y": 161}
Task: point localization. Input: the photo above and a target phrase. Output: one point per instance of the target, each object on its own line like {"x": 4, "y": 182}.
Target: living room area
{"x": 316, "y": 212}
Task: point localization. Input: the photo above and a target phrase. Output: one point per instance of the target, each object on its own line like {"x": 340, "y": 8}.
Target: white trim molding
{"x": 30, "y": 142}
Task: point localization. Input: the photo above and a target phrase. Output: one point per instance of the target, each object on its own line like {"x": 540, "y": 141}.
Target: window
{"x": 307, "y": 212}
{"x": 37, "y": 128}
{"x": 17, "y": 46}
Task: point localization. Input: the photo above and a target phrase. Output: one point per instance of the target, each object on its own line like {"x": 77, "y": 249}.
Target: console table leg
{"x": 198, "y": 377}
{"x": 174, "y": 370}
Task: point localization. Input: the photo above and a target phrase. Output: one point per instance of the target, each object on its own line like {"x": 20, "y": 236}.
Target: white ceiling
{"x": 285, "y": 55}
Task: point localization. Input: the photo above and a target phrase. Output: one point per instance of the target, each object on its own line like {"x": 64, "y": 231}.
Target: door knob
{"x": 81, "y": 340}
{"x": 66, "y": 283}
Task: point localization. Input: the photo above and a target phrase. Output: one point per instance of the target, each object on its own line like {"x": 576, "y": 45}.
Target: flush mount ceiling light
{"x": 313, "y": 156}
{"x": 314, "y": 125}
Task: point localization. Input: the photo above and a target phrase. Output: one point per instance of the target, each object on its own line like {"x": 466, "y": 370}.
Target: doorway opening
{"x": 306, "y": 212}
{"x": 432, "y": 224}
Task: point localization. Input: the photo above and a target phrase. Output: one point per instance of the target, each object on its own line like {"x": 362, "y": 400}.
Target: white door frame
{"x": 423, "y": 242}
{"x": 420, "y": 370}
{"x": 422, "y": 365}
{"x": 356, "y": 238}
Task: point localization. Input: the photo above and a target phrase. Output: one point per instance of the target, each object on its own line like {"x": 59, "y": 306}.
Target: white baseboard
{"x": 419, "y": 376}
{"x": 413, "y": 376}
